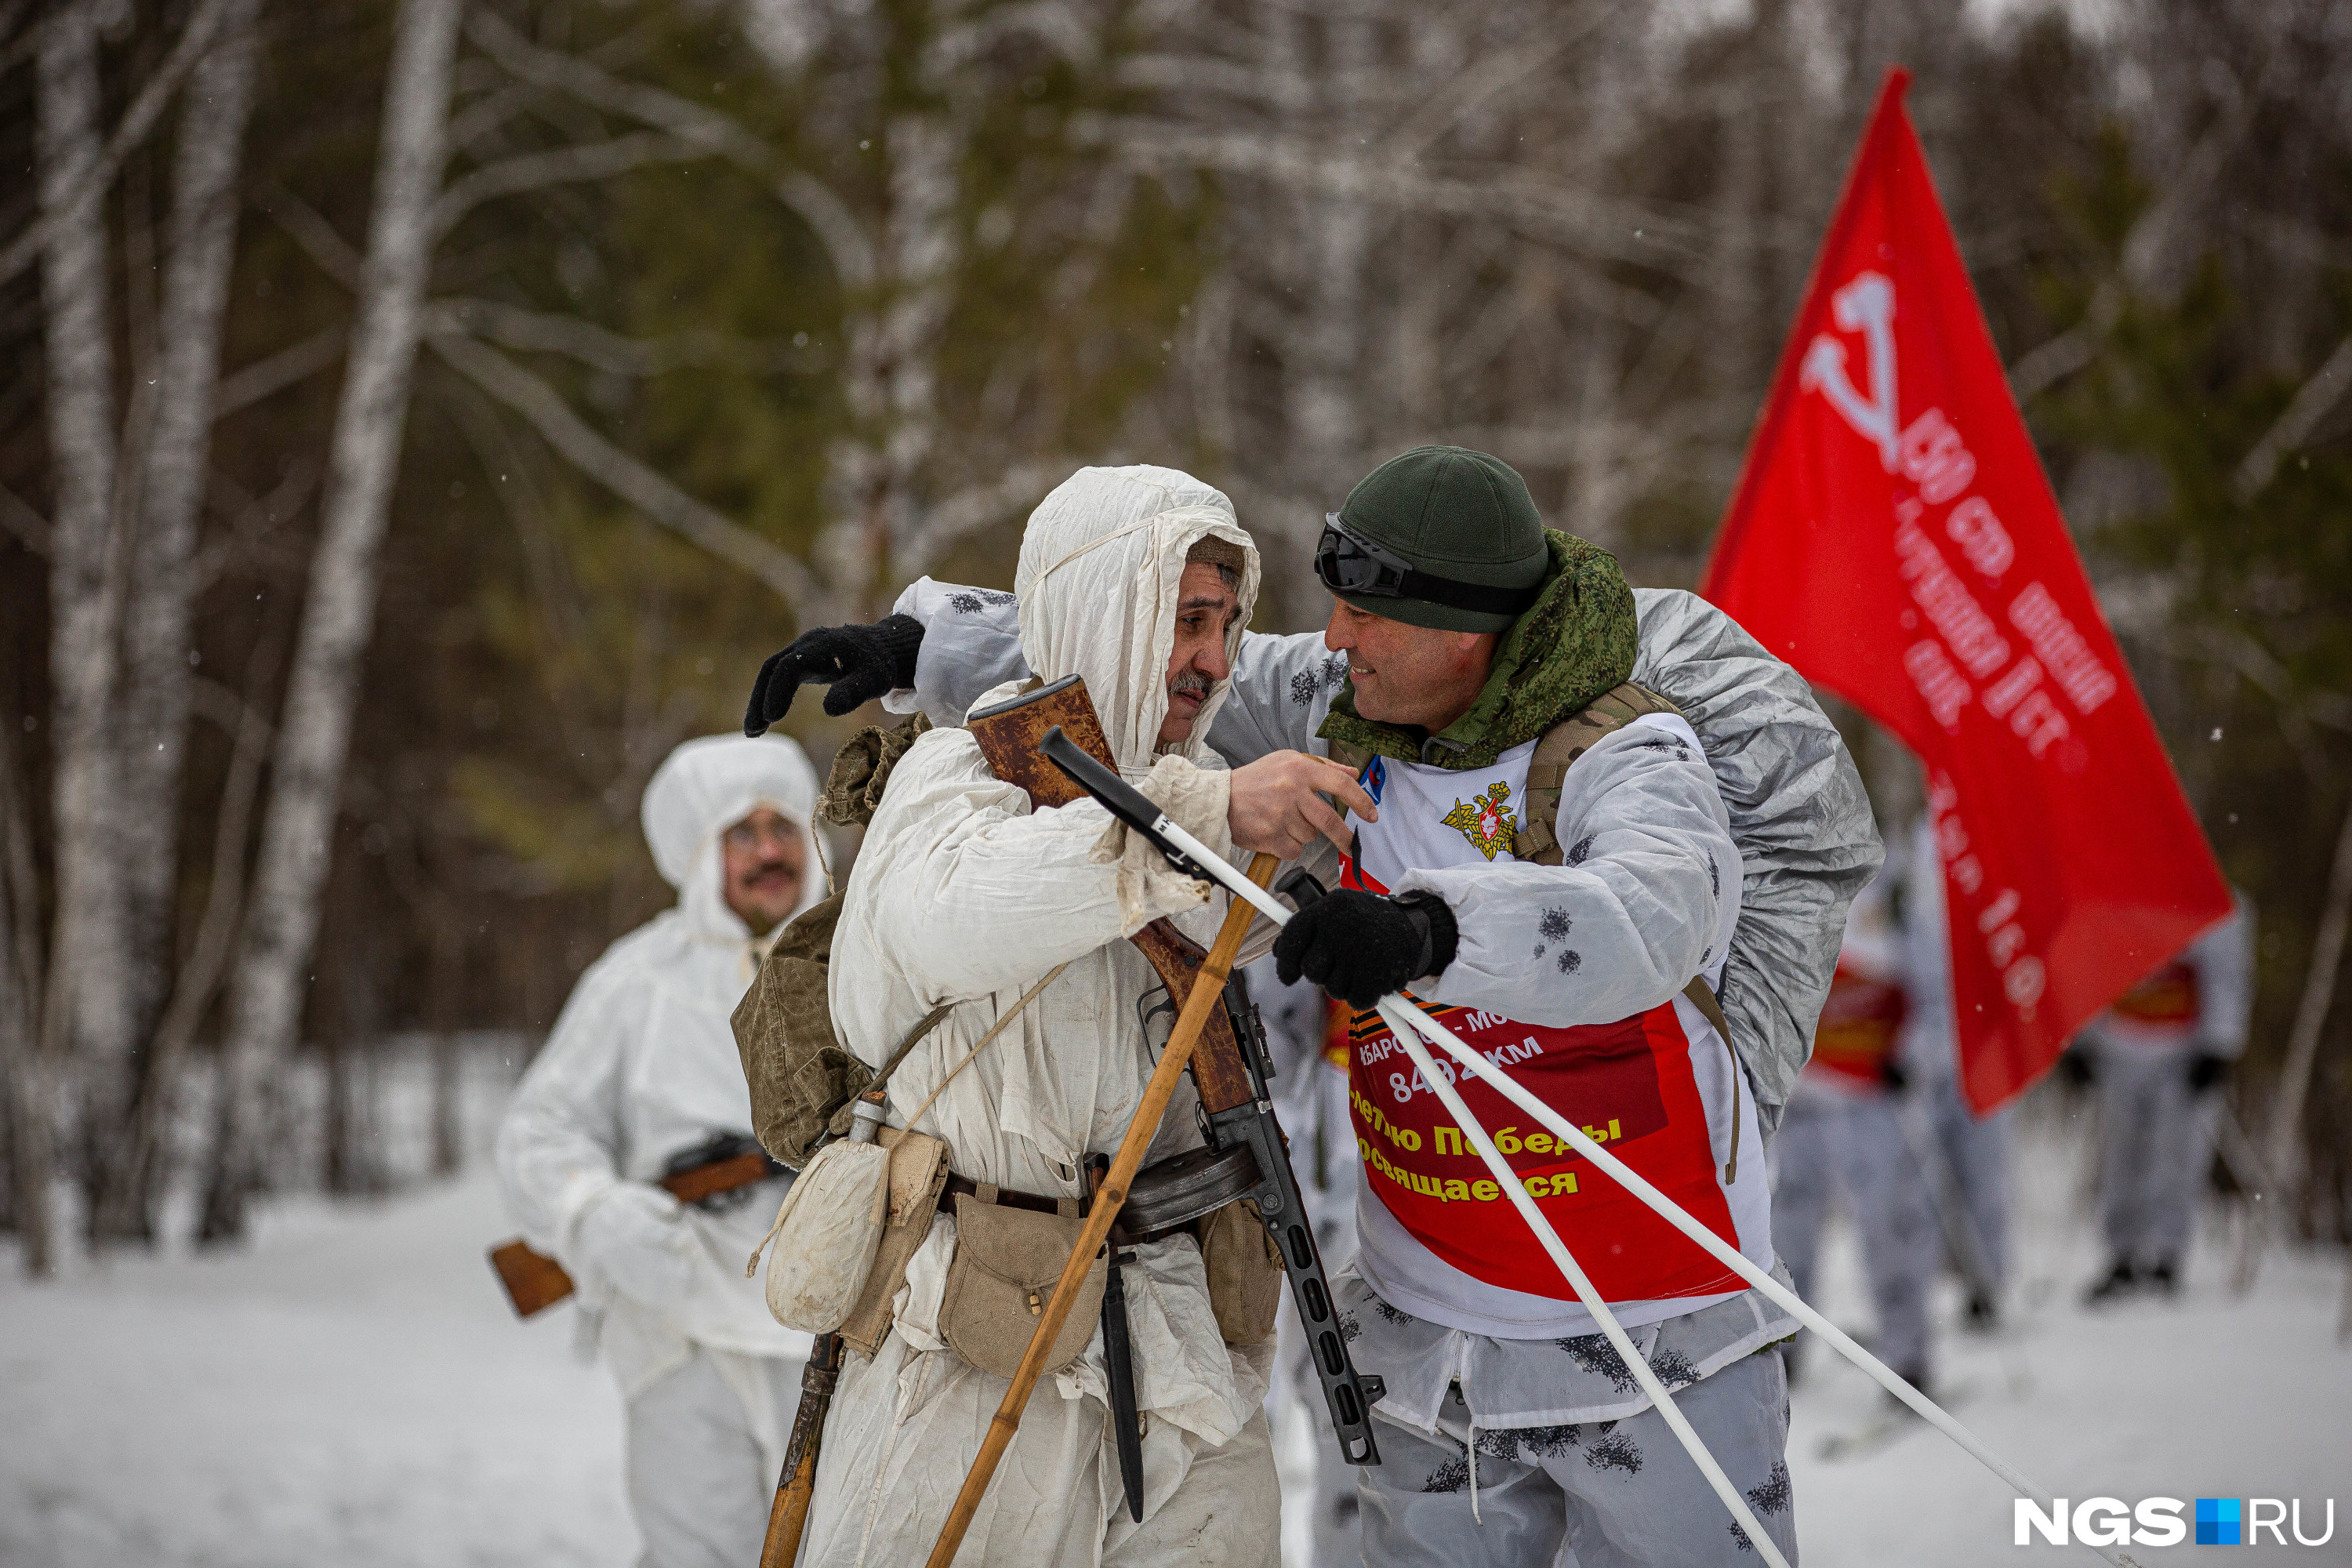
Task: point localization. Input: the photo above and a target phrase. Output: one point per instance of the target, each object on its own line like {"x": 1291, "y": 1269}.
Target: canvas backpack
{"x": 803, "y": 1079}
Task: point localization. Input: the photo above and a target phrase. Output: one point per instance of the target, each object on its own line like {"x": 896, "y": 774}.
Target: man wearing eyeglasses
{"x": 1591, "y": 805}
{"x": 640, "y": 1080}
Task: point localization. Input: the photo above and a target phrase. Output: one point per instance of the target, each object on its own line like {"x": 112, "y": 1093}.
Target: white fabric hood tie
{"x": 1100, "y": 566}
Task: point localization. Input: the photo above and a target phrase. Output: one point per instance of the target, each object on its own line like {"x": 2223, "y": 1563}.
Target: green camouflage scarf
{"x": 1575, "y": 644}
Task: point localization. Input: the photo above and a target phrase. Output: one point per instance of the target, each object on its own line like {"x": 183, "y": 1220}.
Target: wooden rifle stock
{"x": 1009, "y": 735}
{"x": 535, "y": 1281}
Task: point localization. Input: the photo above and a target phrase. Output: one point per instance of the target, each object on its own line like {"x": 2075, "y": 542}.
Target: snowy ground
{"x": 2217, "y": 1395}
{"x": 351, "y": 1389}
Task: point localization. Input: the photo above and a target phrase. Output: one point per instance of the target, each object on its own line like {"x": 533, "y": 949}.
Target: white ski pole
{"x": 1569, "y": 1132}
{"x": 1393, "y": 1008}
{"x": 1131, "y": 806}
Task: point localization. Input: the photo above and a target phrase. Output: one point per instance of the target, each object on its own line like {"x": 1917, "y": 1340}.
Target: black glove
{"x": 2077, "y": 1066}
{"x": 860, "y": 663}
{"x": 2205, "y": 1071}
{"x": 1891, "y": 1074}
{"x": 1360, "y": 946}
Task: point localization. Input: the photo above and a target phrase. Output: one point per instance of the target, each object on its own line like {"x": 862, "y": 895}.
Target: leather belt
{"x": 1039, "y": 1203}
{"x": 1011, "y": 1199}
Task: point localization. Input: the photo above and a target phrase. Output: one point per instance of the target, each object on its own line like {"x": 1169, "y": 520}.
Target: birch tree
{"x": 86, "y": 1013}
{"x": 314, "y": 734}
{"x": 23, "y": 1097}
{"x": 153, "y": 719}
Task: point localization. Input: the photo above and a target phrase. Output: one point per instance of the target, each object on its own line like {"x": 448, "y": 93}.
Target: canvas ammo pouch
{"x": 801, "y": 1077}
{"x": 846, "y": 1228}
{"x": 1245, "y": 1273}
{"x": 1007, "y": 1261}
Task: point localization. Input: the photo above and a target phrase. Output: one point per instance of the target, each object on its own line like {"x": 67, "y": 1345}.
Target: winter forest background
{"x": 421, "y": 416}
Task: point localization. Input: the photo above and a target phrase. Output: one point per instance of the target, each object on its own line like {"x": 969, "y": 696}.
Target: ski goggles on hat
{"x": 1349, "y": 564}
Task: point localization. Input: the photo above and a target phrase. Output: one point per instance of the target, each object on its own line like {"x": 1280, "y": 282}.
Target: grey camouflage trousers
{"x": 2155, "y": 1140}
{"x": 1605, "y": 1494}
{"x": 698, "y": 1484}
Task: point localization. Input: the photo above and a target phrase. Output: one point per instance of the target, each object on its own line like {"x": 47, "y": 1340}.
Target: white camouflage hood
{"x": 705, "y": 787}
{"x": 1100, "y": 563}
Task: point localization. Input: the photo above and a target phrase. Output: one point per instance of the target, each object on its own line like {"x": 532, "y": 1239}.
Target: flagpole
{"x": 1777, "y": 402}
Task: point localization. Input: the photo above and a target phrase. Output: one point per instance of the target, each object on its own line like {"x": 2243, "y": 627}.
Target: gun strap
{"x": 993, "y": 1030}
{"x": 915, "y": 1037}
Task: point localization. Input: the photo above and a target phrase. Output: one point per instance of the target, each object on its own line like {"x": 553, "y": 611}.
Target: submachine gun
{"x": 1246, "y": 1155}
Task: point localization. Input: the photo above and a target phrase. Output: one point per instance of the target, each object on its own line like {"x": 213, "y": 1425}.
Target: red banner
{"x": 1894, "y": 537}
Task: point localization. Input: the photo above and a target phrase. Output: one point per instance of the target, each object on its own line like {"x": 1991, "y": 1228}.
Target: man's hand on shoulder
{"x": 1278, "y": 806}
{"x": 857, "y": 663}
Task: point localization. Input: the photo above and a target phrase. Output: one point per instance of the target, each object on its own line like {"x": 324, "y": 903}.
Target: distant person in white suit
{"x": 639, "y": 1077}
{"x": 2158, "y": 1056}
{"x": 1843, "y": 1141}
{"x": 1967, "y": 1158}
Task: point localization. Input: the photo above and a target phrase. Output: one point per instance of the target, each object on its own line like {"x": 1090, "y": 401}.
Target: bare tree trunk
{"x": 2283, "y": 1154}
{"x": 84, "y": 1018}
{"x": 23, "y": 1088}
{"x": 160, "y": 611}
{"x": 1597, "y": 490}
{"x": 313, "y": 740}
{"x": 446, "y": 980}
{"x": 1322, "y": 397}
{"x": 891, "y": 385}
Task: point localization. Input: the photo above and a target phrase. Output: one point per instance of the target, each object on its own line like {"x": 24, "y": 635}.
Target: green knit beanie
{"x": 1453, "y": 514}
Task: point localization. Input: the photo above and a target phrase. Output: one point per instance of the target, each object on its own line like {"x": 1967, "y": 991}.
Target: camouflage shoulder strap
{"x": 1557, "y": 751}
{"x": 1535, "y": 840}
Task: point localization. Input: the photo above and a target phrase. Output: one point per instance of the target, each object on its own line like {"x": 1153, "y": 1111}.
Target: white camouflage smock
{"x": 963, "y": 894}
{"x": 641, "y": 1066}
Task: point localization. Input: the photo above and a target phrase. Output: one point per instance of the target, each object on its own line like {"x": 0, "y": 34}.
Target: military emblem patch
{"x": 1484, "y": 820}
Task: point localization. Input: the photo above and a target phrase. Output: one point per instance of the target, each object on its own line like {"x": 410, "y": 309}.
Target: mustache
{"x": 1190, "y": 680}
